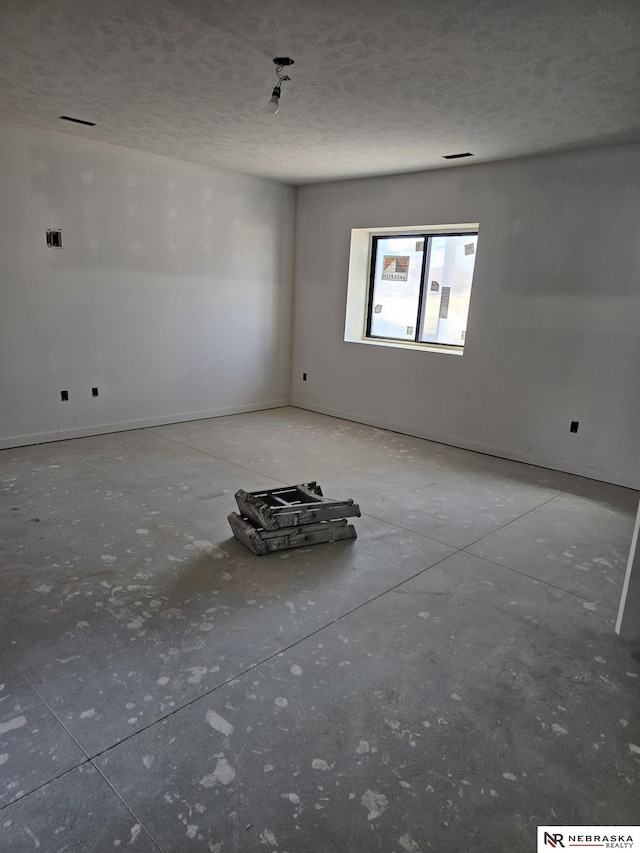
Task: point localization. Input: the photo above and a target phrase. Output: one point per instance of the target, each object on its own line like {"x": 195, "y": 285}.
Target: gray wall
{"x": 554, "y": 326}
{"x": 172, "y": 293}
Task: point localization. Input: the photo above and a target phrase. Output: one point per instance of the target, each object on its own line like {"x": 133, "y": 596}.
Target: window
{"x": 409, "y": 287}
{"x": 420, "y": 286}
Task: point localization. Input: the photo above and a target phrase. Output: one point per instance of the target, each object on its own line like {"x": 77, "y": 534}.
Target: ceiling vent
{"x": 78, "y": 121}
{"x": 456, "y": 156}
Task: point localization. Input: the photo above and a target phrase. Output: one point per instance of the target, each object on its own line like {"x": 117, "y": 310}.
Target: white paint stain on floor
{"x": 218, "y": 723}
{"x": 197, "y": 673}
{"x": 375, "y": 803}
{"x": 223, "y": 774}
{"x": 293, "y": 798}
{"x": 408, "y": 844}
{"x": 11, "y": 725}
{"x": 30, "y": 832}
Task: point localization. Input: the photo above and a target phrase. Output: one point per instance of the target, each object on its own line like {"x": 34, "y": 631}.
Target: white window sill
{"x": 382, "y": 342}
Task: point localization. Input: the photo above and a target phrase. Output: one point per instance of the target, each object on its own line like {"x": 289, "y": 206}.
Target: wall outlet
{"x": 574, "y": 426}
{"x": 54, "y": 238}
{"x": 64, "y": 396}
{"x": 94, "y": 392}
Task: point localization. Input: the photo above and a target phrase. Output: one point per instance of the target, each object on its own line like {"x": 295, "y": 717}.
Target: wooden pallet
{"x": 262, "y": 541}
{"x": 292, "y": 506}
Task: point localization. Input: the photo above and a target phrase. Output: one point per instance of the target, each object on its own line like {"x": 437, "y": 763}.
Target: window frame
{"x": 357, "y": 290}
{"x": 426, "y": 235}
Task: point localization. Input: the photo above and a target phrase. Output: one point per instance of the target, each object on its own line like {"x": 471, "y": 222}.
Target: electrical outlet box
{"x": 54, "y": 238}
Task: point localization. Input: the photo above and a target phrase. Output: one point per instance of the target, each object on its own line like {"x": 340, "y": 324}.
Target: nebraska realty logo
{"x": 607, "y": 837}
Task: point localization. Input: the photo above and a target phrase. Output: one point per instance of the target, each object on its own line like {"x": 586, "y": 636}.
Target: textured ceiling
{"x": 377, "y": 87}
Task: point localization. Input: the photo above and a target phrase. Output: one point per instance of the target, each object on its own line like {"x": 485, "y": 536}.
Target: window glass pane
{"x": 447, "y": 290}
{"x": 396, "y": 287}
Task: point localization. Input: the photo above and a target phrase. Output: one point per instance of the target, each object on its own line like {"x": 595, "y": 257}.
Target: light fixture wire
{"x": 281, "y": 62}
{"x": 281, "y": 77}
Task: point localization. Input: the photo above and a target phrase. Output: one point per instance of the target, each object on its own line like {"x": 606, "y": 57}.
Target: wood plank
{"x": 257, "y": 507}
{"x": 261, "y": 542}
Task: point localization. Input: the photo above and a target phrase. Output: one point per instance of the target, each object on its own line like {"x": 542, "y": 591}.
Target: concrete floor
{"x": 447, "y": 682}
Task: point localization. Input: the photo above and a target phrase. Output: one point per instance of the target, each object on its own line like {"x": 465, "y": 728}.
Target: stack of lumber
{"x": 290, "y": 517}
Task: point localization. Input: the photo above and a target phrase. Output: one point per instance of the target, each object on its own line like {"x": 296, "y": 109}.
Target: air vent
{"x": 456, "y": 156}
{"x": 78, "y": 121}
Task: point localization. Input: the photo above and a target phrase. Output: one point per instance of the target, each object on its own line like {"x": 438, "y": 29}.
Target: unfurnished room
{"x": 319, "y": 426}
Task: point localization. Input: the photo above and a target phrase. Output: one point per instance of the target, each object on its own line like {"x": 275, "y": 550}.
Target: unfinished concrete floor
{"x": 446, "y": 682}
